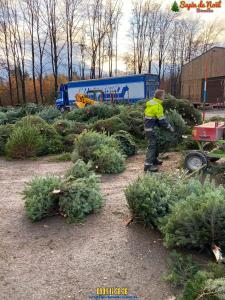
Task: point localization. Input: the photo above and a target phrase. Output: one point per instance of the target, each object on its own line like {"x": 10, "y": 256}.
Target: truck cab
{"x": 62, "y": 101}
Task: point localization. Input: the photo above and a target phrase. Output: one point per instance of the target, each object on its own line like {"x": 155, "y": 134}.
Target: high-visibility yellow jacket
{"x": 154, "y": 115}
{"x": 154, "y": 109}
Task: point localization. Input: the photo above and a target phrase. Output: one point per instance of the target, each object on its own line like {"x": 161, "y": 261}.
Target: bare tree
{"x": 29, "y": 15}
{"x": 72, "y": 20}
{"x": 114, "y": 13}
{"x": 152, "y": 33}
{"x": 18, "y": 38}
{"x": 42, "y": 36}
{"x": 165, "y": 19}
{"x": 93, "y": 14}
{"x": 140, "y": 23}
{"x": 208, "y": 34}
{"x": 128, "y": 60}
{"x": 99, "y": 19}
{"x": 192, "y": 29}
{"x": 83, "y": 51}
{"x": 4, "y": 28}
{"x": 54, "y": 23}
{"x": 117, "y": 26}
{"x": 176, "y": 54}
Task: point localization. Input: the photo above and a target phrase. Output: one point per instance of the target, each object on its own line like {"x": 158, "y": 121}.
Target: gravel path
{"x": 54, "y": 260}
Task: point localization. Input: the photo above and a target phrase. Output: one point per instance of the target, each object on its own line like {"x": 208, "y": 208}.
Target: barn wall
{"x": 191, "y": 89}
{"x": 194, "y": 72}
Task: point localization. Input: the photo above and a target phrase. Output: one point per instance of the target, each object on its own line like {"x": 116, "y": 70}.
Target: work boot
{"x": 158, "y": 162}
{"x": 150, "y": 168}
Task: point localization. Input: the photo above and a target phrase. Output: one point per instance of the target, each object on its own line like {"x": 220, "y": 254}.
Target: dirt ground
{"x": 55, "y": 260}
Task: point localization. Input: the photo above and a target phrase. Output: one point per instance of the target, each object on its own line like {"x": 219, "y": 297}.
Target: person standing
{"x": 154, "y": 117}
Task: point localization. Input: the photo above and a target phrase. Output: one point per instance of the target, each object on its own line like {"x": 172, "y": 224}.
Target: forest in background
{"x": 45, "y": 43}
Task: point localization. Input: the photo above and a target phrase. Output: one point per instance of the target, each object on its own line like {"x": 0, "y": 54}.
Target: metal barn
{"x": 209, "y": 65}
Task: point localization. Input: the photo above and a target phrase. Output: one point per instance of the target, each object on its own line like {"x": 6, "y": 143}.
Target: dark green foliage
{"x": 201, "y": 286}
{"x": 216, "y": 270}
{"x": 208, "y": 284}
{"x": 65, "y": 127}
{"x": 3, "y": 118}
{"x": 176, "y": 120}
{"x": 89, "y": 142}
{"x": 68, "y": 142}
{"x": 102, "y": 150}
{"x": 63, "y": 157}
{"x": 126, "y": 143}
{"x": 32, "y": 108}
{"x": 184, "y": 107}
{"x": 182, "y": 268}
{"x": 134, "y": 119}
{"x": 50, "y": 114}
{"x": 80, "y": 194}
{"x": 169, "y": 140}
{"x": 214, "y": 289}
{"x": 32, "y": 121}
{"x": 110, "y": 125}
{"x": 3, "y": 109}
{"x": 40, "y": 202}
{"x": 198, "y": 281}
{"x": 195, "y": 286}
{"x": 5, "y": 132}
{"x": 52, "y": 140}
{"x": 78, "y": 115}
{"x": 75, "y": 156}
{"x": 187, "y": 143}
{"x": 79, "y": 170}
{"x": 74, "y": 197}
{"x": 80, "y": 198}
{"x": 199, "y": 219}
{"x": 52, "y": 143}
{"x": 217, "y": 172}
{"x": 108, "y": 160}
{"x": 150, "y": 197}
{"x": 93, "y": 113}
{"x": 14, "y": 115}
{"x": 25, "y": 141}
{"x": 78, "y": 127}
{"x": 102, "y": 111}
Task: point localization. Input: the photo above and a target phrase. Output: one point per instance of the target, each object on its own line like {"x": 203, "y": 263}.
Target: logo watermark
{"x": 201, "y": 6}
{"x": 112, "y": 293}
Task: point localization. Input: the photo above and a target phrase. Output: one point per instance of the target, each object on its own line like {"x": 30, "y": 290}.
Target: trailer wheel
{"x": 195, "y": 160}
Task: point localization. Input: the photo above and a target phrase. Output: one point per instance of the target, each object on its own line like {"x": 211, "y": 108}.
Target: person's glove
{"x": 170, "y": 128}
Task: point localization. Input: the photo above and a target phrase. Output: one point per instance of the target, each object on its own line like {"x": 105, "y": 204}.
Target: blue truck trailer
{"x": 128, "y": 89}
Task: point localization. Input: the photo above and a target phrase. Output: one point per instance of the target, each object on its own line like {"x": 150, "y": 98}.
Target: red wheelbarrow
{"x": 205, "y": 134}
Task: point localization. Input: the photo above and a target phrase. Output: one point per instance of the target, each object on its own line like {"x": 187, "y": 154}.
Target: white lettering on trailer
{"x": 134, "y": 90}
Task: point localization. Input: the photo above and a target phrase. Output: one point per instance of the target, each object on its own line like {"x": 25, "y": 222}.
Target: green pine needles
{"x": 75, "y": 196}
{"x": 40, "y": 202}
{"x": 188, "y": 213}
{"x": 102, "y": 150}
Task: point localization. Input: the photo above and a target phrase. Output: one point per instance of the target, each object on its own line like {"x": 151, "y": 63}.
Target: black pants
{"x": 152, "y": 150}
